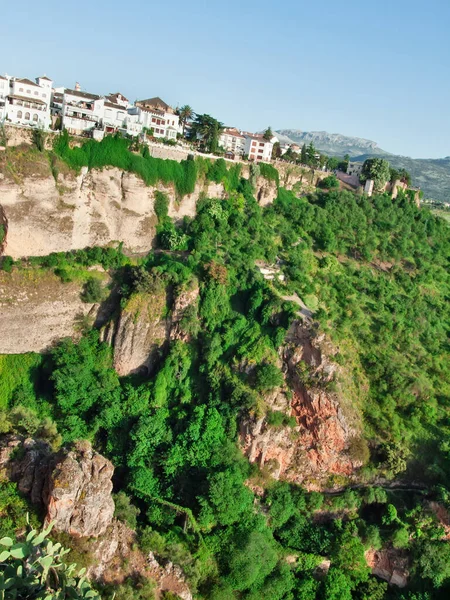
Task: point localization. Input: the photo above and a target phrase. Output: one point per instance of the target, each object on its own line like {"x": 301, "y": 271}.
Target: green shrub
{"x": 330, "y": 183}
{"x": 6, "y": 263}
{"x": 124, "y": 510}
{"x": 161, "y": 205}
{"x": 268, "y": 377}
{"x": 92, "y": 291}
{"x": 269, "y": 172}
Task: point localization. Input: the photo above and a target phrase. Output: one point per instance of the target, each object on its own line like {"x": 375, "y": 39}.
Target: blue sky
{"x": 378, "y": 70}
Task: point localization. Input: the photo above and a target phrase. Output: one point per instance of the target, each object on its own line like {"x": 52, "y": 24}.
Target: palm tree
{"x": 186, "y": 114}
{"x": 208, "y": 130}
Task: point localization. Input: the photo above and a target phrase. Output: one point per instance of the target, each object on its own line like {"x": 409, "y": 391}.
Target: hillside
{"x": 431, "y": 175}
{"x": 270, "y": 382}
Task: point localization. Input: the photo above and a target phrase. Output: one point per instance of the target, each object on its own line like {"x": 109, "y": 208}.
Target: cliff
{"x": 37, "y": 309}
{"x": 44, "y": 215}
{"x": 316, "y": 445}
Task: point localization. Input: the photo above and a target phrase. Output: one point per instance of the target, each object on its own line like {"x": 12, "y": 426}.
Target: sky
{"x": 377, "y": 70}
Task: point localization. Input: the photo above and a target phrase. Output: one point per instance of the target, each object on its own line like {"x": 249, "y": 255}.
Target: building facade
{"x": 27, "y": 102}
{"x": 82, "y": 112}
{"x": 232, "y": 140}
{"x": 155, "y": 114}
{"x": 257, "y": 148}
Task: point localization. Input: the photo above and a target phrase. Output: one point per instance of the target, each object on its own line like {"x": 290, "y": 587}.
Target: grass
{"x": 17, "y": 371}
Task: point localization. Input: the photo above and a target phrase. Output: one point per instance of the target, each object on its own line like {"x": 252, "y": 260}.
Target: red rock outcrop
{"x": 317, "y": 446}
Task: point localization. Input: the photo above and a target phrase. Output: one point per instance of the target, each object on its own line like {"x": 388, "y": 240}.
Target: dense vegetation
{"x": 376, "y": 273}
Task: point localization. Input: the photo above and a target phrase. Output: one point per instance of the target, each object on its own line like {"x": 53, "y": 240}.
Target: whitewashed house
{"x": 4, "y": 90}
{"x": 155, "y": 114}
{"x": 232, "y": 140}
{"x": 257, "y": 148}
{"x": 114, "y": 116}
{"x": 82, "y": 112}
{"x": 28, "y": 103}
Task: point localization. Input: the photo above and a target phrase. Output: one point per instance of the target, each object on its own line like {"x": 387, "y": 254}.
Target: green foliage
{"x": 161, "y": 205}
{"x": 378, "y": 170}
{"x": 268, "y": 377}
{"x": 114, "y": 151}
{"x": 35, "y": 568}
{"x": 6, "y": 263}
{"x": 19, "y": 374}
{"x": 38, "y": 136}
{"x": 269, "y": 172}
{"x": 92, "y": 291}
{"x": 124, "y": 510}
{"x": 330, "y": 183}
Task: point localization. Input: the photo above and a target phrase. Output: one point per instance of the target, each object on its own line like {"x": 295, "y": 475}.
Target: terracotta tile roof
{"x": 81, "y": 94}
{"x": 156, "y": 103}
{"x": 114, "y": 97}
{"x": 27, "y": 82}
{"x": 26, "y": 99}
{"x": 45, "y": 78}
{"x": 116, "y": 106}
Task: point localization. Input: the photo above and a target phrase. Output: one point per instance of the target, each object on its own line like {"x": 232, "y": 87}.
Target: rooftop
{"x": 26, "y": 99}
{"x": 81, "y": 94}
{"x": 45, "y": 78}
{"x": 156, "y": 103}
{"x": 27, "y": 82}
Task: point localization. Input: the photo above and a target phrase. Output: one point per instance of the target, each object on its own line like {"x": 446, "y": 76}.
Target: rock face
{"x": 142, "y": 329}
{"x": 74, "y": 486}
{"x": 316, "y": 447}
{"x": 390, "y": 565}
{"x": 37, "y": 309}
{"x": 94, "y": 208}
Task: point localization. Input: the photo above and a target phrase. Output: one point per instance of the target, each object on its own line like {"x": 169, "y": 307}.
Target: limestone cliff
{"x": 317, "y": 444}
{"x": 94, "y": 208}
{"x": 144, "y": 327}
{"x": 74, "y": 486}
{"x": 37, "y": 310}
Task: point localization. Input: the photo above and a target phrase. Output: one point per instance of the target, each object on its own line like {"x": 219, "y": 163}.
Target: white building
{"x": 258, "y": 148}
{"x": 232, "y": 140}
{"x": 4, "y": 90}
{"x": 355, "y": 169}
{"x": 26, "y": 102}
{"x": 155, "y": 114}
{"x": 115, "y": 116}
{"x": 82, "y": 112}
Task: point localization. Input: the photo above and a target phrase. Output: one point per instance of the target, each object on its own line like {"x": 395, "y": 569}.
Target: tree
{"x": 276, "y": 151}
{"x": 311, "y": 154}
{"x": 34, "y": 569}
{"x": 304, "y": 155}
{"x": 268, "y": 134}
{"x": 329, "y": 183}
{"x": 39, "y": 136}
{"x": 207, "y": 129}
{"x": 378, "y": 170}
{"x": 186, "y": 114}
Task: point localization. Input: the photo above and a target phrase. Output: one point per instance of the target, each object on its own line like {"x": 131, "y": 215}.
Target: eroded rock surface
{"x": 37, "y": 309}
{"x": 73, "y": 485}
{"x": 390, "y": 565}
{"x": 317, "y": 446}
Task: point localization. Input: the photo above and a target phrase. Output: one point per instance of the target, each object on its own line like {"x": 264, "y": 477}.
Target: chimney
{"x": 77, "y": 87}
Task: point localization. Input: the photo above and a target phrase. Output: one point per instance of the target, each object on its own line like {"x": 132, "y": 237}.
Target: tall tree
{"x": 207, "y": 129}
{"x": 304, "y": 155}
{"x": 268, "y": 134}
{"x": 378, "y": 170}
{"x": 186, "y": 114}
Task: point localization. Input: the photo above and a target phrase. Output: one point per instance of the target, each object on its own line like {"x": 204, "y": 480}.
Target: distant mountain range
{"x": 432, "y": 175}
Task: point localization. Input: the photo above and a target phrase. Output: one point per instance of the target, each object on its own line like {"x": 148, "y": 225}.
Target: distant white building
{"x": 115, "y": 116}
{"x": 232, "y": 140}
{"x": 155, "y": 114}
{"x": 26, "y": 102}
{"x": 82, "y": 111}
{"x": 355, "y": 169}
{"x": 4, "y": 90}
{"x": 257, "y": 148}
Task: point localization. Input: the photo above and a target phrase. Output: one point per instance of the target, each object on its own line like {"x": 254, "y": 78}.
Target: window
{"x": 27, "y": 116}
{"x": 261, "y": 143}
{"x": 19, "y": 114}
{"x": 36, "y": 93}
{"x": 20, "y": 89}
{"x": 35, "y": 118}
{"x": 260, "y": 151}
{"x": 44, "y": 95}
{"x": 120, "y": 115}
{"x": 253, "y": 143}
{"x": 28, "y": 91}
